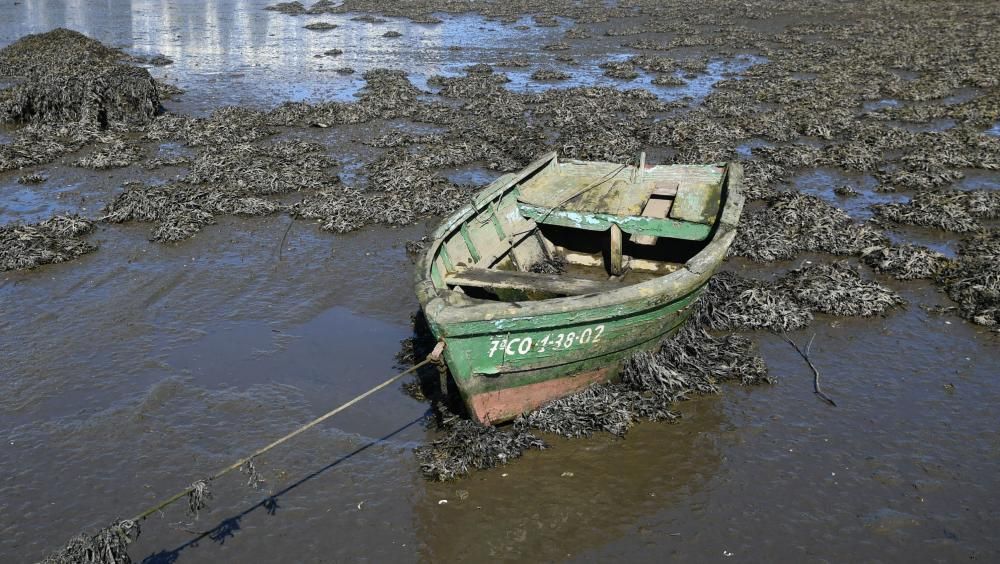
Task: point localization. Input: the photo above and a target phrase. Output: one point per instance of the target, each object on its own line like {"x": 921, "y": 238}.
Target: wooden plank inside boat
{"x": 528, "y": 281}
{"x": 657, "y": 207}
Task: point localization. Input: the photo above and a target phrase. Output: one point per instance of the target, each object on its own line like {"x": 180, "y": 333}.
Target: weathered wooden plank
{"x": 510, "y": 280}
{"x": 636, "y": 225}
{"x": 666, "y": 189}
{"x": 616, "y": 250}
{"x": 613, "y": 196}
{"x": 655, "y": 207}
{"x": 697, "y": 202}
{"x": 680, "y": 173}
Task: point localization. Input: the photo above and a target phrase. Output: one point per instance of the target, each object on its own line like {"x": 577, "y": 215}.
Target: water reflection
{"x": 229, "y": 52}
{"x": 591, "y": 75}
{"x": 822, "y": 182}
{"x": 235, "y": 52}
{"x": 552, "y": 507}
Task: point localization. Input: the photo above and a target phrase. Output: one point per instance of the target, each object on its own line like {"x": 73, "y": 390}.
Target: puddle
{"x": 252, "y": 352}
{"x": 933, "y": 239}
{"x": 475, "y": 175}
{"x": 37, "y": 202}
{"x": 978, "y": 179}
{"x": 994, "y": 131}
{"x": 881, "y": 104}
{"x": 350, "y": 174}
{"x": 173, "y": 149}
{"x": 588, "y": 73}
{"x": 822, "y": 182}
{"x": 960, "y": 96}
{"x": 905, "y": 74}
{"x": 745, "y": 150}
{"x": 931, "y": 126}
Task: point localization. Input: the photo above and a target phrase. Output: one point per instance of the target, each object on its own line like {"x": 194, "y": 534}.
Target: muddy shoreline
{"x": 219, "y": 305}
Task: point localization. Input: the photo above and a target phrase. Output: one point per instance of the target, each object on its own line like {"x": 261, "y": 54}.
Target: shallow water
{"x": 236, "y": 53}
{"x": 130, "y": 372}
{"x": 822, "y": 182}
{"x": 979, "y": 180}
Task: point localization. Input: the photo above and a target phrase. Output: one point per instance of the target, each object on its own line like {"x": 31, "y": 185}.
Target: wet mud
{"x": 233, "y": 229}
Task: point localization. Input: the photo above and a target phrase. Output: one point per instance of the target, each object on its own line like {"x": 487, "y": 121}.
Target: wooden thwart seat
{"x": 658, "y": 206}
{"x": 516, "y": 280}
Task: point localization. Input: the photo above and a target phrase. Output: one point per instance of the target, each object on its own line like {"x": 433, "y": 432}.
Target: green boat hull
{"x": 507, "y": 358}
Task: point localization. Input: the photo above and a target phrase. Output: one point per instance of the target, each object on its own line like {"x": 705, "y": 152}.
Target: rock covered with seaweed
{"x": 65, "y": 77}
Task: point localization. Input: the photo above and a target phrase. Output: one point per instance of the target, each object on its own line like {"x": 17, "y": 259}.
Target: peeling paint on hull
{"x": 505, "y": 404}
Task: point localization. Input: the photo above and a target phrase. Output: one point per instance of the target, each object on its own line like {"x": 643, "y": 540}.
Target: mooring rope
{"x": 277, "y": 442}
{"x": 110, "y": 544}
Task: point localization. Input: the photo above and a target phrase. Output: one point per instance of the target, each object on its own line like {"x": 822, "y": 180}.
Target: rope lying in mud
{"x": 109, "y": 545}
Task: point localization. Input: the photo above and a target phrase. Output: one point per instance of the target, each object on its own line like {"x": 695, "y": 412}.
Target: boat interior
{"x": 568, "y": 228}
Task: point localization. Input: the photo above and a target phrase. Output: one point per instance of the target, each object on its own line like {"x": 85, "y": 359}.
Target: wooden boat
{"x": 636, "y": 246}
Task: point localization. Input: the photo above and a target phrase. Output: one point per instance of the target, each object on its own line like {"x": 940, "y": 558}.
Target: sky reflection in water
{"x": 237, "y": 53}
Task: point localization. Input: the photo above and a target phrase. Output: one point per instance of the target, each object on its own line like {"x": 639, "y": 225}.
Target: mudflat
{"x": 204, "y": 245}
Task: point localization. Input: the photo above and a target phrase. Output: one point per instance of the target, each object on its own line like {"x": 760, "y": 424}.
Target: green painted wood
{"x": 496, "y": 221}
{"x": 554, "y": 284}
{"x": 448, "y": 264}
{"x": 496, "y": 345}
{"x": 634, "y": 225}
{"x": 436, "y": 277}
{"x": 507, "y": 358}
{"x": 468, "y": 243}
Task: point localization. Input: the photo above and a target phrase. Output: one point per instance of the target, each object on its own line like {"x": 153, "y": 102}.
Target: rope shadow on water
{"x": 227, "y": 528}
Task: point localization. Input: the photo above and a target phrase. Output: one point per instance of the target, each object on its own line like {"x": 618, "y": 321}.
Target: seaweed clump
{"x": 38, "y": 144}
{"x": 549, "y": 265}
{"x": 117, "y": 154}
{"x": 66, "y": 77}
{"x": 733, "y": 302}
{"x": 107, "y": 546}
{"x": 469, "y": 446}
{"x": 793, "y": 223}
{"x": 225, "y": 180}
{"x": 32, "y": 178}
{"x": 839, "y": 289}
{"x": 689, "y": 362}
{"x": 952, "y": 211}
{"x": 973, "y": 280}
{"x": 905, "y": 262}
{"x": 58, "y": 239}
{"x": 342, "y": 209}
{"x": 549, "y": 74}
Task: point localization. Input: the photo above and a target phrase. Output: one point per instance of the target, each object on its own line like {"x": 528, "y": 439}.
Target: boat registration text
{"x": 553, "y": 341}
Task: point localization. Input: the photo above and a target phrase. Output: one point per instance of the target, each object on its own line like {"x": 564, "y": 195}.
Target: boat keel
{"x": 498, "y": 406}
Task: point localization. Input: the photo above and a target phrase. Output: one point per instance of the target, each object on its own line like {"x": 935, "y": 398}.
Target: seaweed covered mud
{"x": 909, "y": 108}
{"x": 253, "y": 272}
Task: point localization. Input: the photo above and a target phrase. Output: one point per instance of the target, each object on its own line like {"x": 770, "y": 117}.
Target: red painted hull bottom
{"x": 503, "y": 405}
